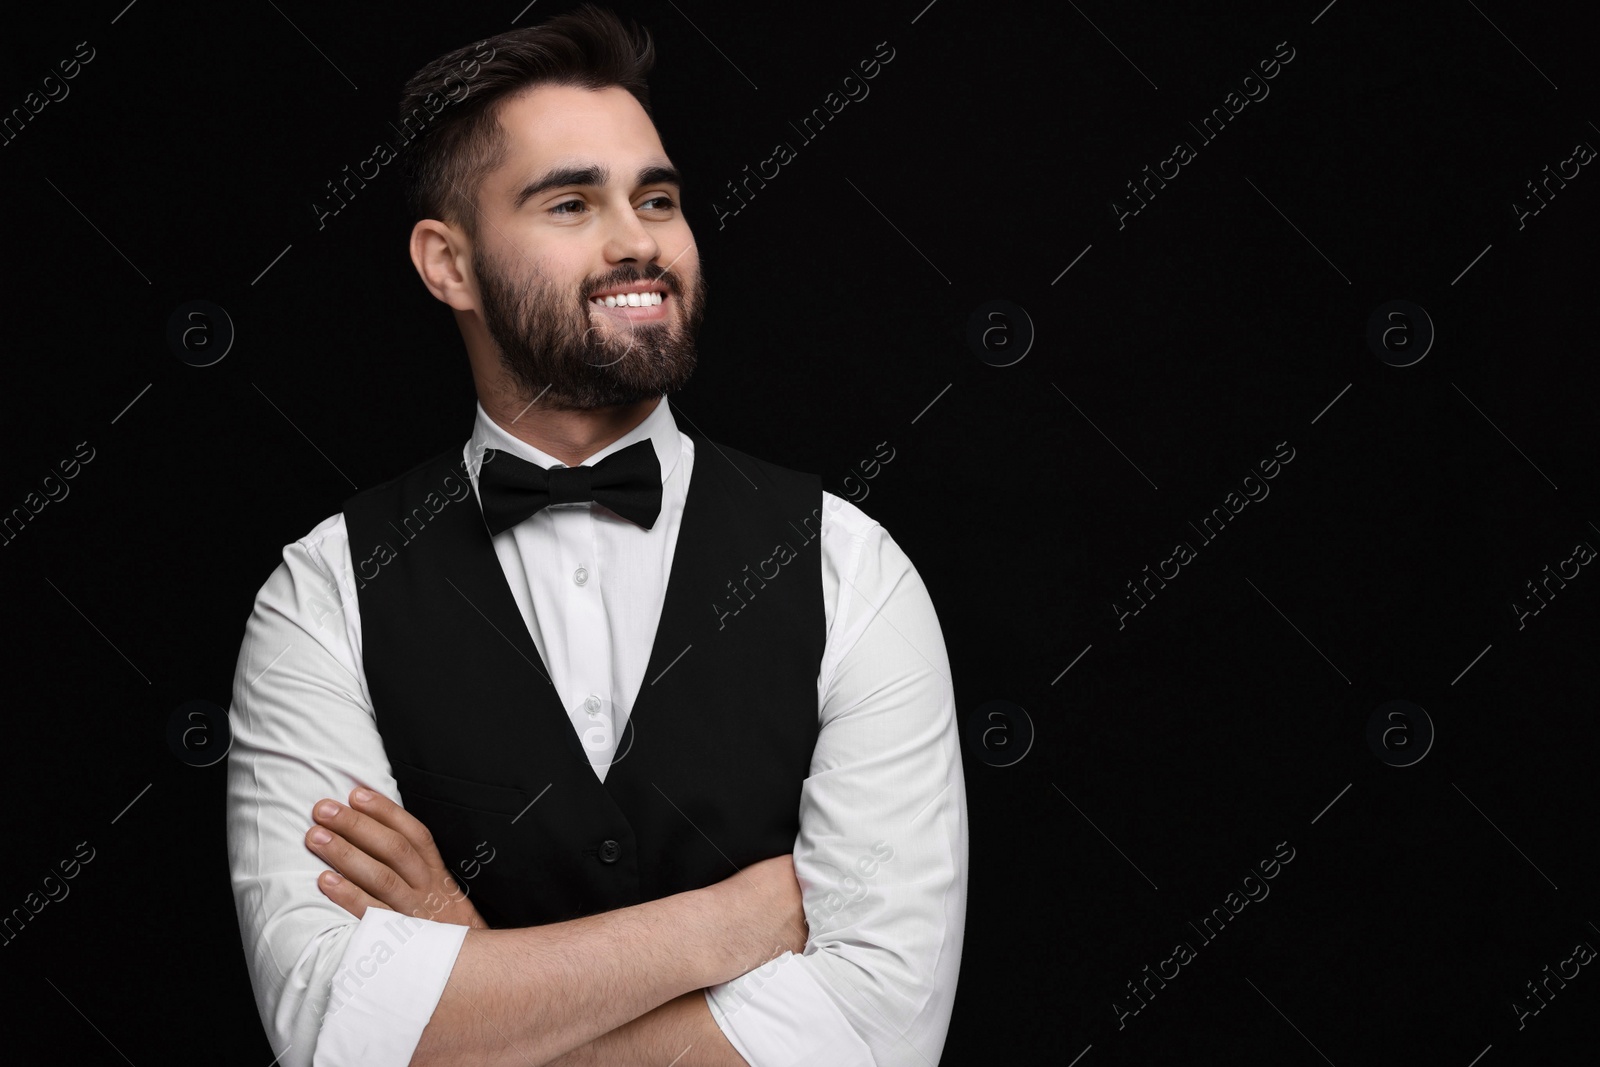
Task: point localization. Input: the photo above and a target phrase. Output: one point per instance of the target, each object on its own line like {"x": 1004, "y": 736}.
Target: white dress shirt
{"x": 881, "y": 856}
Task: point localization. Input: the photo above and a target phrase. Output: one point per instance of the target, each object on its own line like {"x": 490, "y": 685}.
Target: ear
{"x": 442, "y": 254}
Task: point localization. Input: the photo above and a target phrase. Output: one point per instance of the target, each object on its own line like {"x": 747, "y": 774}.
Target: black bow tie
{"x": 628, "y": 482}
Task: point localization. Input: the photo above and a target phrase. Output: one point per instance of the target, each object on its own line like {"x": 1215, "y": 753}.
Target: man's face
{"x": 586, "y": 203}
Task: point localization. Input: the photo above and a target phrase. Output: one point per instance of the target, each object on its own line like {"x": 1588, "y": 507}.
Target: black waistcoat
{"x": 708, "y": 771}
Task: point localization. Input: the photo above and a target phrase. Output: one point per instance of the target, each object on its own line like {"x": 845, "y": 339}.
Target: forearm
{"x": 680, "y": 1032}
{"x": 527, "y": 996}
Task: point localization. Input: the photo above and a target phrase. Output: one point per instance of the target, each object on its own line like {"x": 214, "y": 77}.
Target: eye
{"x": 557, "y": 210}
{"x": 666, "y": 203}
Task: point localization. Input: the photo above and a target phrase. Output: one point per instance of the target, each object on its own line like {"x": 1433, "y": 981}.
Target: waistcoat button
{"x": 610, "y": 851}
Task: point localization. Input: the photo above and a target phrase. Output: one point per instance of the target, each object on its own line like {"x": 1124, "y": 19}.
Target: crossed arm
{"x": 618, "y": 987}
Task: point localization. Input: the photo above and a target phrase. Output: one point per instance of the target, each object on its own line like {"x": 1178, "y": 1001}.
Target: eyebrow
{"x": 592, "y": 174}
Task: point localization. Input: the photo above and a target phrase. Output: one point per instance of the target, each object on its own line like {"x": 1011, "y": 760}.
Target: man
{"x": 589, "y": 820}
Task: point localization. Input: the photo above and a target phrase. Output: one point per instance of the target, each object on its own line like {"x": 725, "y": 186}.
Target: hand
{"x": 388, "y": 860}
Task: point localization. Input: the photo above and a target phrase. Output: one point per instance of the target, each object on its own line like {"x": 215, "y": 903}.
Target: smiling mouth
{"x": 632, "y": 300}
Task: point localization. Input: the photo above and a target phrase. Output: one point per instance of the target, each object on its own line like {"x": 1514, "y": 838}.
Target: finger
{"x": 388, "y": 846}
{"x": 372, "y": 877}
{"x": 373, "y": 803}
{"x": 385, "y": 811}
{"x": 348, "y": 895}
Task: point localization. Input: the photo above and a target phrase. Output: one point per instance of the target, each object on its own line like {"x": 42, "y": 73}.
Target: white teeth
{"x": 632, "y": 300}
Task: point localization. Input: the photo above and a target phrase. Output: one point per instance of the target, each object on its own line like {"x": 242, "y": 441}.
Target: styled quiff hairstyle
{"x": 454, "y": 101}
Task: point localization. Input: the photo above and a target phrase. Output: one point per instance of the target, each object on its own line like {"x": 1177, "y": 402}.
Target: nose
{"x": 629, "y": 239}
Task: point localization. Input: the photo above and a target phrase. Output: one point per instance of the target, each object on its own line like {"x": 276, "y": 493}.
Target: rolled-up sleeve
{"x": 330, "y": 989}
{"x": 881, "y": 856}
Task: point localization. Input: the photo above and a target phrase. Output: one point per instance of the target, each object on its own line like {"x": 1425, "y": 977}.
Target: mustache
{"x": 629, "y": 275}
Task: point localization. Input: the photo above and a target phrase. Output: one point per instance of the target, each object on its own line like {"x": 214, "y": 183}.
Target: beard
{"x": 552, "y": 349}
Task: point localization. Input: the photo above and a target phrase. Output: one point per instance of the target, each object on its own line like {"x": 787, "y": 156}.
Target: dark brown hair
{"x": 451, "y": 104}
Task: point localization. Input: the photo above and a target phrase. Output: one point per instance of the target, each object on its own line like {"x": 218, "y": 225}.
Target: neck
{"x": 569, "y": 436}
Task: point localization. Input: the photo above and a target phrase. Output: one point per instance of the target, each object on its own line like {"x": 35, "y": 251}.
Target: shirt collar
{"x": 659, "y": 428}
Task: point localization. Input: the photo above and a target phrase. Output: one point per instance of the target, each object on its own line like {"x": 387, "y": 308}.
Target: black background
{"x": 1229, "y": 315}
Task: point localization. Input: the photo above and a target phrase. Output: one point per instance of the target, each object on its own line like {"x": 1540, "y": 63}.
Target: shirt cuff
{"x": 389, "y": 981}
{"x": 779, "y": 1015}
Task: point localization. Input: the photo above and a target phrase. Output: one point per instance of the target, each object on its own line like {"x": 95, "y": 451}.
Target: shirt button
{"x": 610, "y": 851}
{"x": 592, "y": 703}
{"x": 580, "y": 576}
